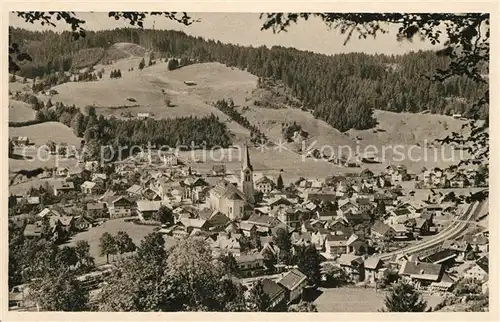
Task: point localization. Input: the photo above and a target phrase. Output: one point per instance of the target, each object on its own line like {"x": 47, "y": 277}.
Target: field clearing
{"x": 20, "y": 111}
{"x": 136, "y": 232}
{"x": 271, "y": 160}
{"x": 407, "y": 128}
{"x": 350, "y": 299}
{"x": 33, "y": 157}
{"x": 18, "y": 86}
{"x": 39, "y": 134}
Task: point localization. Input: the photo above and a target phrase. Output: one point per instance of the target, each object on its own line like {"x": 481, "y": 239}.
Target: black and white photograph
{"x": 248, "y": 161}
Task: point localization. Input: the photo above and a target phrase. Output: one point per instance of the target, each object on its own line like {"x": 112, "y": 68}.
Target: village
{"x": 370, "y": 229}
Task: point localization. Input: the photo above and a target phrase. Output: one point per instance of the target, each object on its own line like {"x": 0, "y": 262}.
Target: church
{"x": 234, "y": 200}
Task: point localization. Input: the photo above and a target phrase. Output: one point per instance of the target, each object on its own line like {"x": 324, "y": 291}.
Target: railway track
{"x": 450, "y": 232}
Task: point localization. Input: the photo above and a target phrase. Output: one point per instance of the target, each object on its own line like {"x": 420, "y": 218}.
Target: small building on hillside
{"x": 294, "y": 282}
{"x": 61, "y": 187}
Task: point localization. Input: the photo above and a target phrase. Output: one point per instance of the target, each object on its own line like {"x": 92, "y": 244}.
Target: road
{"x": 451, "y": 232}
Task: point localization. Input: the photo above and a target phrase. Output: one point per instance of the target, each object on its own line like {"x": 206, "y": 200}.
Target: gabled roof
{"x": 88, "y": 185}
{"x": 373, "y": 262}
{"x": 249, "y": 257}
{"x": 147, "y": 205}
{"x": 350, "y": 260}
{"x": 381, "y": 228}
{"x": 272, "y": 289}
{"x": 264, "y": 179}
{"x": 63, "y": 185}
{"x": 292, "y": 279}
{"x": 135, "y": 189}
{"x": 225, "y": 189}
{"x": 421, "y": 270}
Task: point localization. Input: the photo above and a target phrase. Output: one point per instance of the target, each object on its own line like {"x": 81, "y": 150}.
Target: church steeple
{"x": 246, "y": 180}
{"x": 246, "y": 159}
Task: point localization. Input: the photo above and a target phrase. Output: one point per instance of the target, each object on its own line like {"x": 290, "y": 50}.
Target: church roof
{"x": 246, "y": 159}
{"x": 225, "y": 189}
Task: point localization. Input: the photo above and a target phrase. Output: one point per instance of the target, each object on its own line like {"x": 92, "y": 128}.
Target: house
{"x": 290, "y": 216}
{"x": 192, "y": 226}
{"x": 248, "y": 228}
{"x": 320, "y": 196}
{"x": 218, "y": 170}
{"x": 63, "y": 221}
{"x": 460, "y": 247}
{"x": 421, "y": 274}
{"x": 119, "y": 206}
{"x": 170, "y": 159}
{"x": 336, "y": 244}
{"x": 264, "y": 184}
{"x": 264, "y": 223}
{"x": 401, "y": 232}
{"x": 150, "y": 194}
{"x": 96, "y": 210}
{"x": 61, "y": 187}
{"x": 382, "y": 231}
{"x": 459, "y": 180}
{"x": 218, "y": 221}
{"x": 479, "y": 270}
{"x": 366, "y": 174}
{"x": 20, "y": 140}
{"x": 99, "y": 177}
{"x": 444, "y": 257}
{"x": 88, "y": 187}
{"x": 91, "y": 166}
{"x": 134, "y": 191}
{"x": 33, "y": 230}
{"x": 397, "y": 173}
{"x": 225, "y": 244}
{"x": 83, "y": 222}
{"x": 250, "y": 264}
{"x": 194, "y": 188}
{"x": 294, "y": 282}
{"x": 353, "y": 266}
{"x": 146, "y": 208}
{"x": 373, "y": 266}
{"x": 143, "y": 115}
{"x": 276, "y": 293}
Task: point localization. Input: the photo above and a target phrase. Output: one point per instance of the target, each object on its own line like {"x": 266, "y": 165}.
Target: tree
{"x": 59, "y": 292}
{"x": 67, "y": 257}
{"x": 107, "y": 245}
{"x": 124, "y": 243}
{"x": 403, "y": 297}
{"x": 52, "y": 147}
{"x": 152, "y": 248}
{"x": 279, "y": 183}
{"x": 308, "y": 261}
{"x": 142, "y": 64}
{"x": 164, "y": 215}
{"x": 303, "y": 307}
{"x": 258, "y": 300}
{"x": 282, "y": 240}
{"x": 467, "y": 286}
{"x": 82, "y": 250}
{"x": 62, "y": 149}
{"x": 229, "y": 264}
{"x": 190, "y": 264}
{"x": 335, "y": 276}
{"x": 49, "y": 104}
{"x": 173, "y": 64}
{"x": 139, "y": 285}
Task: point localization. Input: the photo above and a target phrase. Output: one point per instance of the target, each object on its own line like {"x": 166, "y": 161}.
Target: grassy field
{"x": 32, "y": 157}
{"x": 357, "y": 300}
{"x": 20, "y": 111}
{"x": 136, "y": 232}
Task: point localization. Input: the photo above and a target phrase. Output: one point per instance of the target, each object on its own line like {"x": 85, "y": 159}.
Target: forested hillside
{"x": 341, "y": 89}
